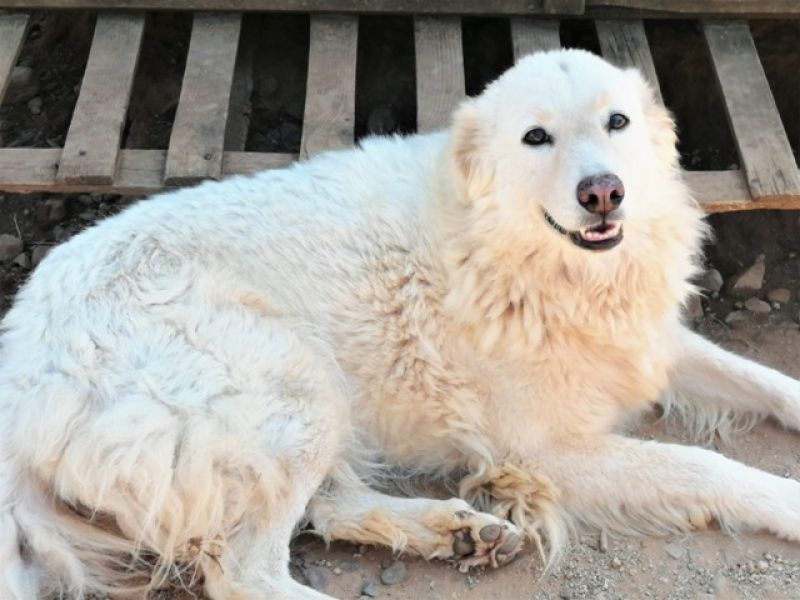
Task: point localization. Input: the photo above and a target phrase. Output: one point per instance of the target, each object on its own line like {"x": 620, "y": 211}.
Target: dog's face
{"x": 567, "y": 143}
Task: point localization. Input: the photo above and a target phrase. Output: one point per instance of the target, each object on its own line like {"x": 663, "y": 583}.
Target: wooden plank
{"x": 440, "y": 70}
{"x": 198, "y": 134}
{"x": 329, "y": 117}
{"x": 563, "y": 7}
{"x": 764, "y": 149}
{"x": 532, "y": 35}
{"x": 140, "y": 171}
{"x": 12, "y": 33}
{"x": 624, "y": 43}
{"x": 631, "y": 8}
{"x": 91, "y": 150}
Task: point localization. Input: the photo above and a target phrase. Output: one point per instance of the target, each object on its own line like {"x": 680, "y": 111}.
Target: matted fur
{"x": 183, "y": 383}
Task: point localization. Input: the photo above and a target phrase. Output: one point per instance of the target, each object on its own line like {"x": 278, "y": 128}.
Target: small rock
{"x": 382, "y": 119}
{"x": 22, "y": 85}
{"x": 757, "y": 306}
{"x": 565, "y": 594}
{"x": 337, "y": 571}
{"x": 750, "y": 280}
{"x": 348, "y": 566}
{"x": 51, "y": 211}
{"x": 370, "y": 589}
{"x": 603, "y": 545}
{"x": 709, "y": 281}
{"x": 775, "y": 305}
{"x": 317, "y": 578}
{"x": 38, "y": 254}
{"x": 674, "y": 550}
{"x": 762, "y": 566}
{"x": 616, "y": 562}
{"x": 35, "y": 105}
{"x": 738, "y": 304}
{"x": 23, "y": 261}
{"x": 694, "y": 308}
{"x": 10, "y": 247}
{"x": 781, "y": 295}
{"x": 395, "y": 573}
{"x": 736, "y": 316}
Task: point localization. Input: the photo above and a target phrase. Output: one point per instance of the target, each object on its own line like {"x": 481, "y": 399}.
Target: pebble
{"x": 781, "y": 295}
{"x": 603, "y": 545}
{"x": 757, "y": 306}
{"x": 317, "y": 578}
{"x": 750, "y": 280}
{"x": 23, "y": 261}
{"x": 395, "y": 573}
{"x": 337, "y": 571}
{"x": 10, "y": 247}
{"x": 370, "y": 589}
{"x": 674, "y": 550}
{"x": 35, "y": 105}
{"x": 22, "y": 85}
{"x": 762, "y": 566}
{"x": 710, "y": 281}
{"x": 736, "y": 316}
{"x": 51, "y": 211}
{"x": 38, "y": 254}
{"x": 348, "y": 566}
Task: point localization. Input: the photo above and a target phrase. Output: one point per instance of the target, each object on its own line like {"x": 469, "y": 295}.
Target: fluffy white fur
{"x": 183, "y": 383}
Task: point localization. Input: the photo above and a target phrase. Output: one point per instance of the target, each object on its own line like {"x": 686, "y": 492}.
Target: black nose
{"x": 601, "y": 193}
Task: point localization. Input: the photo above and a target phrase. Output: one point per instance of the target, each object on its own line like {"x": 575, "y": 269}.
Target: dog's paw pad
{"x": 479, "y": 543}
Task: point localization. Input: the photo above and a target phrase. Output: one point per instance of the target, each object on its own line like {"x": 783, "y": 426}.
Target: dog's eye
{"x": 536, "y": 137}
{"x": 617, "y": 121}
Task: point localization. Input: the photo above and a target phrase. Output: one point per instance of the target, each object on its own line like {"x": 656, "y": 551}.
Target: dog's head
{"x": 568, "y": 146}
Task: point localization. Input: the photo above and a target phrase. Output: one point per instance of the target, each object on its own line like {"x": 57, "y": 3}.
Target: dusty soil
{"x": 702, "y": 566}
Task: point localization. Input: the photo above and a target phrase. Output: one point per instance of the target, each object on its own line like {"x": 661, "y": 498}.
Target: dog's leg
{"x": 650, "y": 487}
{"x": 712, "y": 384}
{"x": 446, "y": 529}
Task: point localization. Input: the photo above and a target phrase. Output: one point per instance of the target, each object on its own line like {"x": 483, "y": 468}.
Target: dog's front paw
{"x": 483, "y": 539}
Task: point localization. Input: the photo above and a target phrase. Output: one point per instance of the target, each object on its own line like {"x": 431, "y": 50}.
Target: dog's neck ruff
{"x": 554, "y": 224}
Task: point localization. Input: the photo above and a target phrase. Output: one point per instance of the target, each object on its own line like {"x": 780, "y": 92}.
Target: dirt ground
{"x": 702, "y": 566}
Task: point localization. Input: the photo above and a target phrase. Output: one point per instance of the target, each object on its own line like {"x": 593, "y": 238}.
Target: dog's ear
{"x": 469, "y": 150}
{"x": 660, "y": 122}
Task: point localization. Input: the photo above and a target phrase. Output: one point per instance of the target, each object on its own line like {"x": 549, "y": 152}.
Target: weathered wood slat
{"x": 329, "y": 117}
{"x": 563, "y": 7}
{"x": 139, "y": 172}
{"x": 440, "y": 70}
{"x": 624, "y": 43}
{"x": 760, "y": 137}
{"x": 12, "y": 33}
{"x": 531, "y": 35}
{"x": 634, "y": 8}
{"x": 91, "y": 149}
{"x": 198, "y": 134}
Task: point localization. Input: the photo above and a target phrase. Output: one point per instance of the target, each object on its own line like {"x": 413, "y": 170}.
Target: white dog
{"x": 182, "y": 384}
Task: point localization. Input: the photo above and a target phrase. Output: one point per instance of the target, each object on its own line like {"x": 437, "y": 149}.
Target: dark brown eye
{"x": 617, "y": 121}
{"x": 536, "y": 137}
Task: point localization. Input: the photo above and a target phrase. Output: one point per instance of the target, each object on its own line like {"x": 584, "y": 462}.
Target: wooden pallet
{"x": 92, "y": 159}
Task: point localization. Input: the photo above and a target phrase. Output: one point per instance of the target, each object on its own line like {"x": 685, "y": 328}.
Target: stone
{"x": 370, "y": 590}
{"x": 694, "y": 308}
{"x": 317, "y": 578}
{"x": 781, "y": 295}
{"x": 757, "y": 306}
{"x": 603, "y": 543}
{"x": 709, "y": 281}
{"x": 749, "y": 281}
{"x": 38, "y": 254}
{"x": 395, "y": 573}
{"x": 348, "y": 566}
{"x": 762, "y": 566}
{"x": 23, "y": 261}
{"x": 674, "y": 550}
{"x": 22, "y": 85}
{"x": 10, "y": 247}
{"x": 735, "y": 316}
{"x": 35, "y": 105}
{"x": 51, "y": 211}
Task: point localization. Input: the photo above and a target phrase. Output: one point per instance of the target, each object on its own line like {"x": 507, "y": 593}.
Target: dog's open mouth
{"x": 599, "y": 237}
